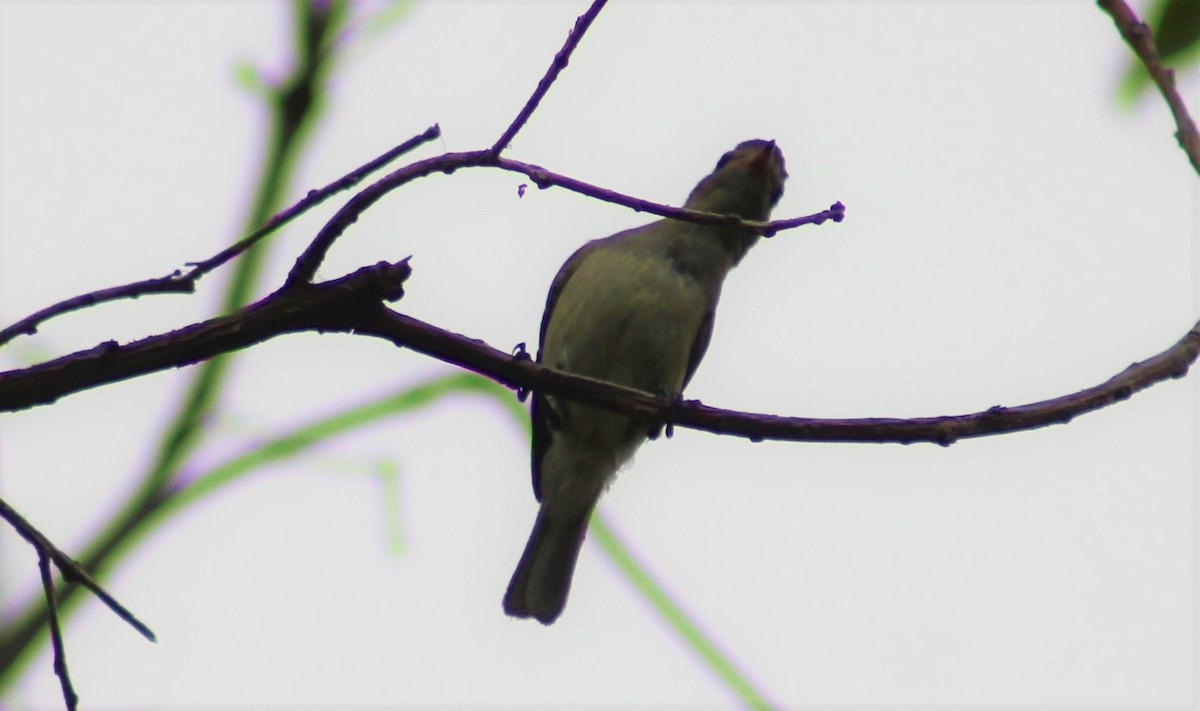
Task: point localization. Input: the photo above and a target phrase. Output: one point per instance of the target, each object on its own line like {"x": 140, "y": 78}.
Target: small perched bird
{"x": 635, "y": 309}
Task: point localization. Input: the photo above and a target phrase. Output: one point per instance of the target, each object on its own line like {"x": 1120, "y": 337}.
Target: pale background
{"x": 1011, "y": 235}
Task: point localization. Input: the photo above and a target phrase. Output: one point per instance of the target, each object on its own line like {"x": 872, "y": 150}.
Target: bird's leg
{"x": 657, "y": 428}
{"x": 519, "y": 354}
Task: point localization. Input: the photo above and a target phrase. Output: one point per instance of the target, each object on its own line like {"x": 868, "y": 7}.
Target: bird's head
{"x": 747, "y": 182}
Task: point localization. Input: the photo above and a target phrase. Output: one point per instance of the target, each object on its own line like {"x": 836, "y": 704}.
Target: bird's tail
{"x": 542, "y": 580}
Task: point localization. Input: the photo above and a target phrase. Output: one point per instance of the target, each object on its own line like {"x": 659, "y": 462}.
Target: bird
{"x": 635, "y": 309}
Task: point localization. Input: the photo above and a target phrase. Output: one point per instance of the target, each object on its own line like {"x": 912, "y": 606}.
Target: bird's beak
{"x": 763, "y": 159}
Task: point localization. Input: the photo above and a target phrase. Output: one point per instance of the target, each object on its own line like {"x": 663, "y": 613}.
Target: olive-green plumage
{"x": 634, "y": 309}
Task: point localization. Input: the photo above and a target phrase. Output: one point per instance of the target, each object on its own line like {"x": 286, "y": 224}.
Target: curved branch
{"x": 71, "y": 571}
{"x": 582, "y": 23}
{"x": 353, "y": 304}
{"x": 185, "y": 283}
{"x": 475, "y": 355}
{"x": 1139, "y": 38}
{"x": 325, "y": 307}
{"x": 310, "y": 260}
{"x": 544, "y": 179}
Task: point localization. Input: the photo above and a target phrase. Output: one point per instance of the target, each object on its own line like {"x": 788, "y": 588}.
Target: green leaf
{"x": 1176, "y": 28}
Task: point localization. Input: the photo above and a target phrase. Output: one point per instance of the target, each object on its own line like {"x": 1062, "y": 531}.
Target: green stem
{"x": 294, "y": 107}
{"x": 673, "y": 613}
{"x": 111, "y": 547}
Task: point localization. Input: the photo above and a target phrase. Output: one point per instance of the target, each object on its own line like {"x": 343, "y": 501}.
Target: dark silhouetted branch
{"x": 71, "y": 571}
{"x": 354, "y": 304}
{"x": 185, "y": 282}
{"x": 1137, "y": 34}
{"x": 56, "y": 637}
{"x": 561, "y": 59}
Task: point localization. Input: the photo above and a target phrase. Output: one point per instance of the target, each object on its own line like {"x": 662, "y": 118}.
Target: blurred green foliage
{"x": 1176, "y": 28}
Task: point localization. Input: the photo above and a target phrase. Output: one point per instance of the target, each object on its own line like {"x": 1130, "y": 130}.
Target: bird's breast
{"x": 629, "y": 320}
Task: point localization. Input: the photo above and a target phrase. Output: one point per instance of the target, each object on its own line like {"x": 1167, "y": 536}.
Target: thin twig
{"x": 71, "y": 571}
{"x": 544, "y": 178}
{"x": 56, "y": 636}
{"x": 315, "y": 197}
{"x": 172, "y": 283}
{"x": 1137, "y": 34}
{"x": 582, "y": 23}
{"x": 310, "y": 260}
{"x": 181, "y": 282}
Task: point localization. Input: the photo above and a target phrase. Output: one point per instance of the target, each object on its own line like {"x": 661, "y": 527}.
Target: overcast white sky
{"x": 1011, "y": 235}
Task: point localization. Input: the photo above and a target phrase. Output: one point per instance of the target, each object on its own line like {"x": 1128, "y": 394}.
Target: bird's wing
{"x": 699, "y": 345}
{"x": 542, "y": 410}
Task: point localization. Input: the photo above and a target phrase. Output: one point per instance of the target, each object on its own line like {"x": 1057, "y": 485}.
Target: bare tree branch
{"x": 329, "y": 306}
{"x": 56, "y": 637}
{"x": 516, "y": 372}
{"x": 314, "y": 198}
{"x": 582, "y": 23}
{"x": 71, "y": 571}
{"x": 544, "y": 179}
{"x": 307, "y": 264}
{"x": 353, "y": 304}
{"x": 179, "y": 282}
{"x": 1137, "y": 34}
